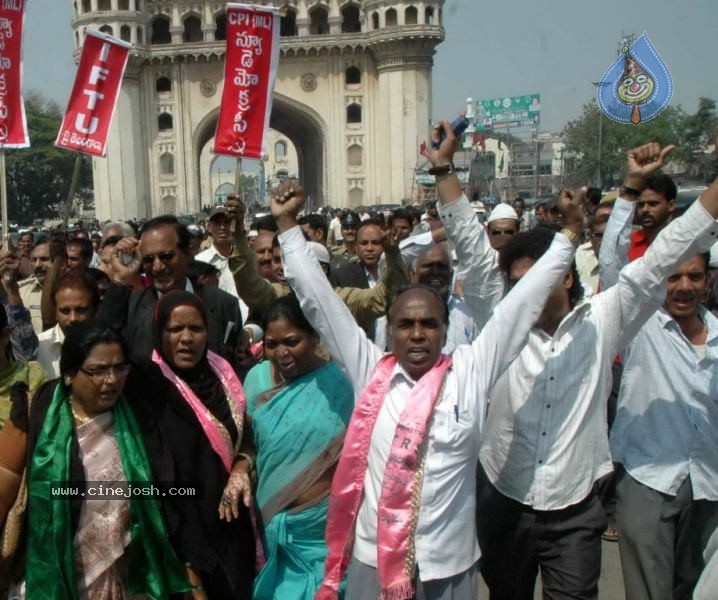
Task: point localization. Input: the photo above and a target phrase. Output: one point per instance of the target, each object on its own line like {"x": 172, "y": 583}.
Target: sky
{"x": 493, "y": 48}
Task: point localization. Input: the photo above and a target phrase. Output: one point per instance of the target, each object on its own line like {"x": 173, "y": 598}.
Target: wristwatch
{"x": 442, "y": 170}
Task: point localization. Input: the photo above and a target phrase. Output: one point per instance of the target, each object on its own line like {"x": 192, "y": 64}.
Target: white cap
{"x": 502, "y": 211}
{"x": 252, "y": 233}
{"x": 320, "y": 252}
{"x": 478, "y": 206}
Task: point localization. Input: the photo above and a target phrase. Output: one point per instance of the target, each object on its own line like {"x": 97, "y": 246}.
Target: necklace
{"x": 79, "y": 418}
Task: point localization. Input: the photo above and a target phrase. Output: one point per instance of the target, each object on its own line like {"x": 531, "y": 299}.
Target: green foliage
{"x": 692, "y": 133}
{"x": 38, "y": 178}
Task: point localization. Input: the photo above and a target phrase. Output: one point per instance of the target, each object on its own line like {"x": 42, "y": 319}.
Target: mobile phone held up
{"x": 458, "y": 126}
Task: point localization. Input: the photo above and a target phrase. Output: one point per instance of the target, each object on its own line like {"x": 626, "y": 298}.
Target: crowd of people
{"x": 366, "y": 406}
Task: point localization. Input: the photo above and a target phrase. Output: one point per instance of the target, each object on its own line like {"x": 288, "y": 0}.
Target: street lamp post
{"x": 599, "y": 178}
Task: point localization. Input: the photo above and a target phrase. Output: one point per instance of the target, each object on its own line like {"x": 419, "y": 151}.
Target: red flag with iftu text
{"x": 13, "y": 125}
{"x": 94, "y": 95}
{"x": 250, "y": 69}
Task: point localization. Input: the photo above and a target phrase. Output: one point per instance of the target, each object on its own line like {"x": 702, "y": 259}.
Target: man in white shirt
{"x": 587, "y": 253}
{"x": 443, "y": 551}
{"x": 219, "y": 226}
{"x": 76, "y": 298}
{"x": 335, "y": 237}
{"x": 665, "y": 432}
{"x": 546, "y": 445}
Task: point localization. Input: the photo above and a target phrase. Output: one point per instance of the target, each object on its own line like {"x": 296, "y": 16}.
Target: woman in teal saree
{"x": 299, "y": 406}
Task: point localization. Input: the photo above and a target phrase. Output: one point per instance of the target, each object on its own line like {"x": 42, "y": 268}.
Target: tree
{"x": 582, "y": 148}
{"x": 38, "y": 178}
{"x": 697, "y": 141}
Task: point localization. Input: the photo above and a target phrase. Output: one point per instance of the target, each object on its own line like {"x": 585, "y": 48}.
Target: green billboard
{"x": 510, "y": 111}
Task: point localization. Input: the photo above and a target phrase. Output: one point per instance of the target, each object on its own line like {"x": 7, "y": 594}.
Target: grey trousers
{"x": 662, "y": 539}
{"x": 363, "y": 584}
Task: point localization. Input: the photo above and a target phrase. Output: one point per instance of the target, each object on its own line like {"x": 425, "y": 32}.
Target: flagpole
{"x": 3, "y": 200}
{"x": 73, "y": 189}
{"x": 238, "y": 178}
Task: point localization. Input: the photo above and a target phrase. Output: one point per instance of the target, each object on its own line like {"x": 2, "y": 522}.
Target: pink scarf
{"x": 216, "y": 433}
{"x": 401, "y": 488}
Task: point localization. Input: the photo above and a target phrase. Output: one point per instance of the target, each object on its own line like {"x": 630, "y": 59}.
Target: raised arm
{"x": 640, "y": 163}
{"x": 483, "y": 282}
{"x": 256, "y": 292}
{"x": 23, "y": 338}
{"x": 613, "y": 255}
{"x": 506, "y": 332}
{"x": 329, "y": 316}
{"x": 641, "y": 285}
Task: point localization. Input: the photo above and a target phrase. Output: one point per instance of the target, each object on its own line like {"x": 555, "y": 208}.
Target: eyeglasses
{"x": 100, "y": 374}
{"x": 503, "y": 231}
{"x": 164, "y": 257}
{"x": 597, "y": 234}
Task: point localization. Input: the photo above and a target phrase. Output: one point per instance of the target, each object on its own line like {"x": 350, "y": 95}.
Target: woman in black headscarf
{"x": 197, "y": 403}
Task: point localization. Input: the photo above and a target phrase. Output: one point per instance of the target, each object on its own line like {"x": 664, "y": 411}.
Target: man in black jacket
{"x": 163, "y": 252}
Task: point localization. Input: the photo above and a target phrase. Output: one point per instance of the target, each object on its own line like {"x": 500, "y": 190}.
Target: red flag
{"x": 423, "y": 150}
{"x": 13, "y": 125}
{"x": 250, "y": 69}
{"x": 94, "y": 95}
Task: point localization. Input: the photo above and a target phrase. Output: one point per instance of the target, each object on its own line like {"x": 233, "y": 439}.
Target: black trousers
{"x": 516, "y": 541}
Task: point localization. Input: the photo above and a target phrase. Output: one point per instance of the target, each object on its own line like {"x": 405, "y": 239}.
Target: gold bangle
{"x": 243, "y": 456}
{"x": 571, "y": 235}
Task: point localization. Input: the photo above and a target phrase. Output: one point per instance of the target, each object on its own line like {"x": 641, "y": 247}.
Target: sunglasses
{"x": 165, "y": 257}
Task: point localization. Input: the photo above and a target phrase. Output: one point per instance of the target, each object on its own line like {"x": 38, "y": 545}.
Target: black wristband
{"x": 442, "y": 170}
{"x": 629, "y": 191}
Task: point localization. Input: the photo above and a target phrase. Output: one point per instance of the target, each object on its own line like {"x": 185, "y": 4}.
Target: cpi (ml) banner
{"x": 94, "y": 95}
{"x": 249, "y": 73}
{"x": 13, "y": 125}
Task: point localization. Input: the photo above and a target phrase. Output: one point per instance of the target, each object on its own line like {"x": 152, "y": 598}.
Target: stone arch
{"x": 160, "y": 30}
{"x": 106, "y": 29}
{"x": 192, "y": 29}
{"x": 104, "y": 4}
{"x": 86, "y": 6}
{"x": 167, "y": 163}
{"x": 351, "y": 20}
{"x": 352, "y": 76}
{"x": 319, "y": 16}
{"x": 163, "y": 84}
{"x": 355, "y": 156}
{"x": 288, "y": 23}
{"x": 299, "y": 123}
{"x": 165, "y": 122}
{"x": 429, "y": 15}
{"x": 375, "y": 20}
{"x": 411, "y": 15}
{"x": 391, "y": 18}
{"x": 123, "y": 5}
{"x": 125, "y": 33}
{"x": 220, "y": 22}
{"x": 168, "y": 205}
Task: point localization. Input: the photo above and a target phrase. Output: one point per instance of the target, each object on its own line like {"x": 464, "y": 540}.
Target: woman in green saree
{"x": 299, "y": 406}
{"x": 78, "y": 435}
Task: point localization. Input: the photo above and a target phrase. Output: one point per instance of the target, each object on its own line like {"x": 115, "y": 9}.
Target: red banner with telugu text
{"x": 13, "y": 125}
{"x": 250, "y": 71}
{"x": 94, "y": 96}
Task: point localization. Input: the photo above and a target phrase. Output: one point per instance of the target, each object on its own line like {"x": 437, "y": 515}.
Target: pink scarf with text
{"x": 401, "y": 487}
